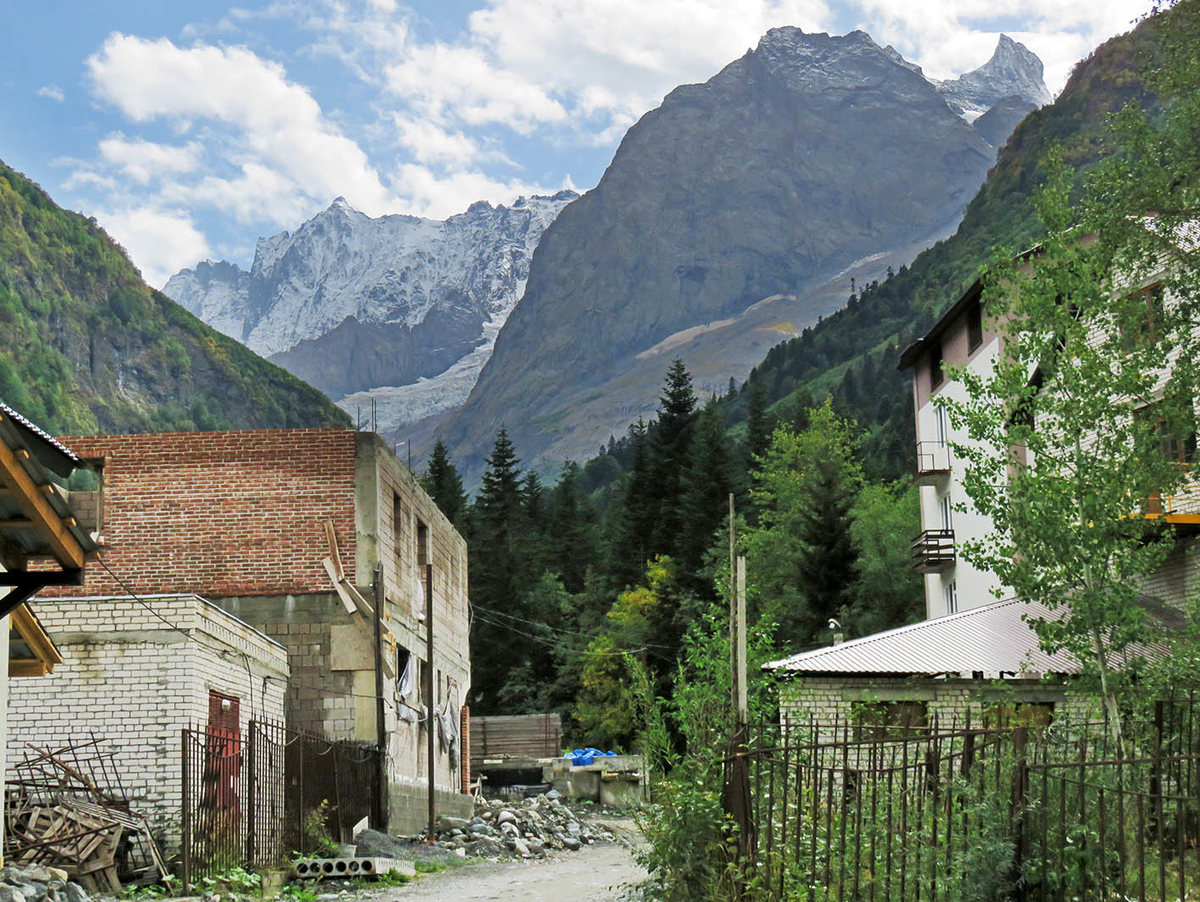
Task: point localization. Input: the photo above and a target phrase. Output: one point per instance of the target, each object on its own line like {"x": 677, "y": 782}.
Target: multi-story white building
{"x": 975, "y": 632}
{"x": 962, "y": 337}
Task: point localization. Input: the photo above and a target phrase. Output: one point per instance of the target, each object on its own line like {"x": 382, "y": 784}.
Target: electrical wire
{"x": 562, "y": 647}
{"x": 552, "y": 629}
{"x": 288, "y": 682}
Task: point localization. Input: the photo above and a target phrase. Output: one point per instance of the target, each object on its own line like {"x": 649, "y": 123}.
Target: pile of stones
{"x": 526, "y": 830}
{"x": 35, "y": 883}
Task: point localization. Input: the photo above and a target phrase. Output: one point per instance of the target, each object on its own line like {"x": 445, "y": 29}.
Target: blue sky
{"x": 188, "y": 129}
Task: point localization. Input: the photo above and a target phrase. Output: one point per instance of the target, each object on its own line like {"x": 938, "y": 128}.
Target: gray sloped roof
{"x": 995, "y": 640}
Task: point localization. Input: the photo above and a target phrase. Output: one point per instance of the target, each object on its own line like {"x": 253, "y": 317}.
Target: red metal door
{"x": 223, "y": 774}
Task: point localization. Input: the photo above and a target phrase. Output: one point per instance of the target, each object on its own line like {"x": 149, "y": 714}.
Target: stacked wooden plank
{"x": 515, "y": 736}
{"x": 60, "y": 814}
{"x": 82, "y": 843}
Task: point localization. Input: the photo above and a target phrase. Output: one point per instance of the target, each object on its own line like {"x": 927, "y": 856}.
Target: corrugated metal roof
{"x": 18, "y": 433}
{"x": 29, "y": 427}
{"x": 994, "y": 639}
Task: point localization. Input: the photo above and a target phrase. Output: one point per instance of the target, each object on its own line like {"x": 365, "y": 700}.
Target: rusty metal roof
{"x": 994, "y": 640}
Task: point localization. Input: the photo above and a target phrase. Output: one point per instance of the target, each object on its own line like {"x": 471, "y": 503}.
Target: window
{"x": 1175, "y": 445}
{"x": 404, "y": 672}
{"x": 952, "y": 597}
{"x": 1140, "y": 322}
{"x": 1021, "y": 714}
{"x": 399, "y": 521}
{"x": 974, "y": 326}
{"x": 943, "y": 430}
{"x": 937, "y": 366}
{"x": 422, "y": 546}
{"x": 890, "y": 720}
{"x": 946, "y": 509}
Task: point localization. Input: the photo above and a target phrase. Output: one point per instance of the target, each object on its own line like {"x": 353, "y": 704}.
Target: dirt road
{"x": 593, "y": 874}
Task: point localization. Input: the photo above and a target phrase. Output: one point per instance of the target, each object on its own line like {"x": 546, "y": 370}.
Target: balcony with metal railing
{"x": 933, "y": 551}
{"x": 1181, "y": 507}
{"x": 933, "y": 462}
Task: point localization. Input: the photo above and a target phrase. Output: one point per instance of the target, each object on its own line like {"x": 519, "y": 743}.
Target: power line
{"x": 562, "y": 647}
{"x": 288, "y": 682}
{"x": 554, "y": 629}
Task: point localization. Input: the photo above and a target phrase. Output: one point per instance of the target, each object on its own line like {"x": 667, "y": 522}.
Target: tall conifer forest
{"x": 584, "y": 584}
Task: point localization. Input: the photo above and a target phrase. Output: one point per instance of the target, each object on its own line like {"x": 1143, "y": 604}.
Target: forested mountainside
{"x": 853, "y": 353}
{"x": 623, "y": 555}
{"x": 722, "y": 215}
{"x": 87, "y": 346}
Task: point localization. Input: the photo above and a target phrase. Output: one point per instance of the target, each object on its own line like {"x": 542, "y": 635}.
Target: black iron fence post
{"x": 251, "y": 795}
{"x": 185, "y": 844}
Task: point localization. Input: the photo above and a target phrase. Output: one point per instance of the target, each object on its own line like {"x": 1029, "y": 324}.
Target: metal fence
{"x": 248, "y": 800}
{"x": 969, "y": 812}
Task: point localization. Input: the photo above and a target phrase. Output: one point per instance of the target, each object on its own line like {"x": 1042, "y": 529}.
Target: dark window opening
{"x": 890, "y": 720}
{"x": 404, "y": 670}
{"x": 1140, "y": 323}
{"x": 422, "y": 546}
{"x": 937, "y": 366}
{"x": 974, "y": 326}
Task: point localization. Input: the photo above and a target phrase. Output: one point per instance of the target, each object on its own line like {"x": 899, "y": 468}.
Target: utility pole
{"x": 429, "y": 701}
{"x": 743, "y": 707}
{"x": 733, "y": 665}
{"x": 381, "y": 743}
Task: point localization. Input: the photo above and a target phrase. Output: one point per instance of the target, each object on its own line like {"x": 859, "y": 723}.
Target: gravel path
{"x": 593, "y": 874}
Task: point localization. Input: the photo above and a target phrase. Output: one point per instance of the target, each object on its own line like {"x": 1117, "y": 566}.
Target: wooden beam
{"x": 39, "y": 579}
{"x": 28, "y": 668}
{"x": 29, "y": 628}
{"x": 16, "y": 523}
{"x": 35, "y": 506}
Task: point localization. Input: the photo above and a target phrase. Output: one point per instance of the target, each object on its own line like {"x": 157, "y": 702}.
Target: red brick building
{"x": 285, "y": 529}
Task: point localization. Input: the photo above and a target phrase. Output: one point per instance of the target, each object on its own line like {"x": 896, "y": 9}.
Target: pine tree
{"x": 444, "y": 485}
{"x": 671, "y": 451}
{"x": 570, "y": 530}
{"x": 758, "y": 423}
{"x": 636, "y": 531}
{"x": 707, "y": 484}
{"x": 499, "y": 576}
{"x": 805, "y": 558}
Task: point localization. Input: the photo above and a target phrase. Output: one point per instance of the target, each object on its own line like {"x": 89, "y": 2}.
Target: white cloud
{"x": 144, "y": 161}
{"x": 53, "y": 92}
{"x": 275, "y": 119}
{"x": 529, "y": 63}
{"x": 441, "y": 195}
{"x": 160, "y": 242}
{"x": 430, "y": 143}
{"x": 950, "y": 37}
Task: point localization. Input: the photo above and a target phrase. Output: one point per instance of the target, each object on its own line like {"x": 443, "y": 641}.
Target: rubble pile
{"x": 37, "y": 883}
{"x": 527, "y": 830}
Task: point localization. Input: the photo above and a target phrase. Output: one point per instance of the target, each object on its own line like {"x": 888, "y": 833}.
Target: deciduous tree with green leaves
{"x": 1085, "y": 429}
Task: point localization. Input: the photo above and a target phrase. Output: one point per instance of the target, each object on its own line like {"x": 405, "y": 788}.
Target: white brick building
{"x": 135, "y": 675}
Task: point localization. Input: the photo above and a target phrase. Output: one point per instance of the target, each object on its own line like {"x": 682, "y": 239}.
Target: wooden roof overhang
{"x": 31, "y": 651}
{"x": 36, "y": 523}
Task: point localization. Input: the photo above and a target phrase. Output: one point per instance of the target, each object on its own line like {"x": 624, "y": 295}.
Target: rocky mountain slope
{"x": 86, "y": 346}
{"x": 350, "y": 303}
{"x": 853, "y": 353}
{"x": 1013, "y": 71}
{"x": 733, "y": 215}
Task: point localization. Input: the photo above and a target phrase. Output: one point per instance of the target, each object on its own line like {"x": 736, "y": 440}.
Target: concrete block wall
{"x": 319, "y": 700}
{"x": 131, "y": 680}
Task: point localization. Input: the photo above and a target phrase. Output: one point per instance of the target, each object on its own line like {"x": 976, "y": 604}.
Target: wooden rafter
{"x": 35, "y": 506}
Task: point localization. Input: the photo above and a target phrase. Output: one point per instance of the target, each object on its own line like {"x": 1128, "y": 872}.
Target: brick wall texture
{"x": 221, "y": 513}
{"x": 830, "y": 699}
{"x": 133, "y": 682}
